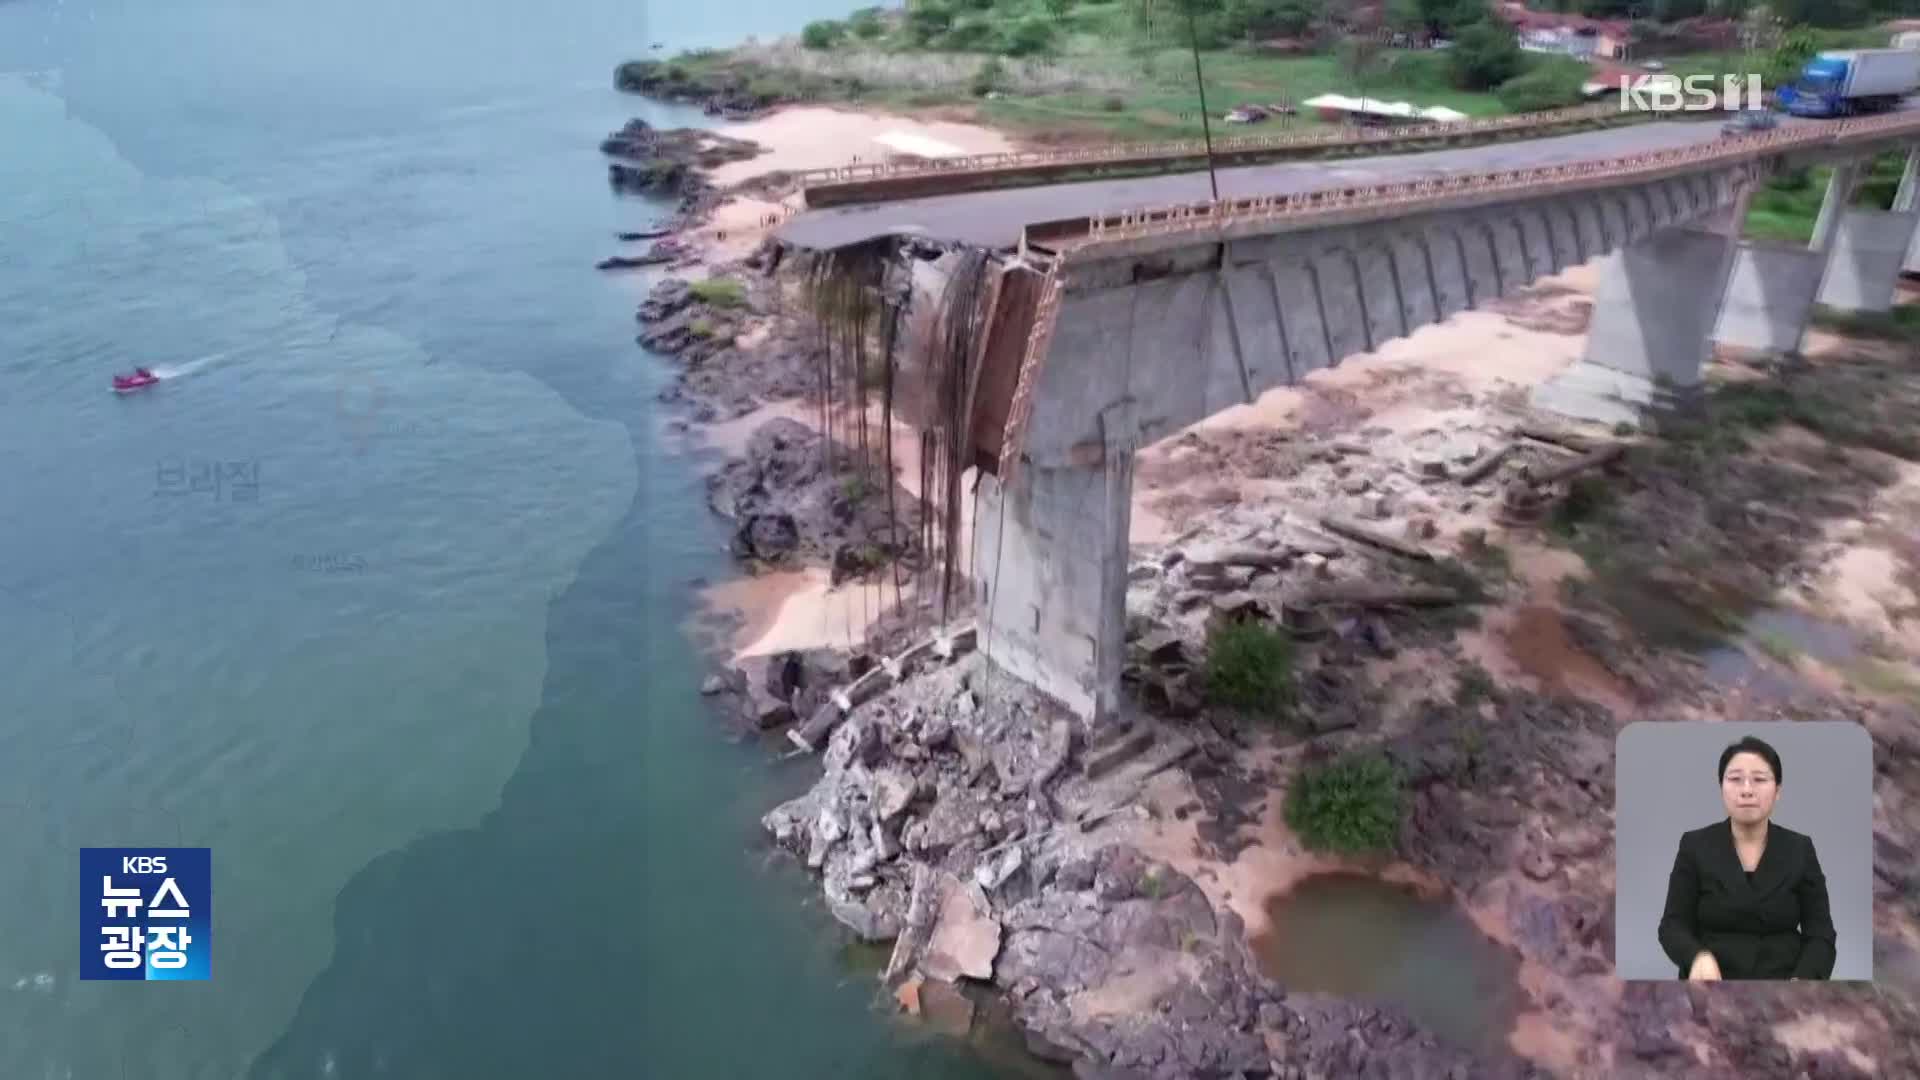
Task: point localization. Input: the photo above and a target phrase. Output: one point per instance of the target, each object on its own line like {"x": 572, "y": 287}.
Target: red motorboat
{"x": 141, "y": 377}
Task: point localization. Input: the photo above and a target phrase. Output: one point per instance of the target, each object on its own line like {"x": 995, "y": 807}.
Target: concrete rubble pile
{"x": 948, "y": 821}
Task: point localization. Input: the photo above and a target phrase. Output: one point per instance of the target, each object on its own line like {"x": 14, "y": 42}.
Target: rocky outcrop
{"x": 727, "y": 90}
{"x": 786, "y": 502}
{"x": 669, "y": 162}
{"x": 676, "y": 322}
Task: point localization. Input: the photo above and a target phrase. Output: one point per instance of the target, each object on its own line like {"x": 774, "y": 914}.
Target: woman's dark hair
{"x": 1750, "y": 745}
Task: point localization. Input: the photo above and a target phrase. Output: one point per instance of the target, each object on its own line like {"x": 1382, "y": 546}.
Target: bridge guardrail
{"x": 1201, "y": 216}
{"x": 1186, "y": 217}
{"x": 1018, "y": 160}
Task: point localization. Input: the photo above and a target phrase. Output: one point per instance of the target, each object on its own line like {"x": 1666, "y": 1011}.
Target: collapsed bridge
{"x": 1051, "y": 332}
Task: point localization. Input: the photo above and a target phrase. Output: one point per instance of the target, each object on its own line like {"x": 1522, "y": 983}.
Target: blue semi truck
{"x": 1853, "y": 81}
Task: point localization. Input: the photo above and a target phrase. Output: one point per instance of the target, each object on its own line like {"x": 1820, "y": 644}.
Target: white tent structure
{"x": 1384, "y": 110}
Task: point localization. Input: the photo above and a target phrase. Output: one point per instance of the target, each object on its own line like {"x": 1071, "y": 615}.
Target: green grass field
{"x": 1785, "y": 210}
{"x": 1101, "y": 79}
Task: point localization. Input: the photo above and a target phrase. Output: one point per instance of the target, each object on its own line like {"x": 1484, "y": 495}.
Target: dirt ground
{"x": 1798, "y": 501}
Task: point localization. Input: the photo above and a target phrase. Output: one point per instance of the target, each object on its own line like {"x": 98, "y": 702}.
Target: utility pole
{"x": 1206, "y": 123}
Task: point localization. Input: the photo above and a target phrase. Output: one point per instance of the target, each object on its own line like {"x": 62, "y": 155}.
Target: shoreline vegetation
{"x": 1064, "y": 72}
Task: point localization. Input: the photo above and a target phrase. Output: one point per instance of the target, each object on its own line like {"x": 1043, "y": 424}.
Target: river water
{"x": 408, "y": 657}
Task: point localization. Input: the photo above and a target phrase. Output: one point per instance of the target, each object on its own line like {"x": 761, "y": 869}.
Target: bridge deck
{"x": 995, "y": 218}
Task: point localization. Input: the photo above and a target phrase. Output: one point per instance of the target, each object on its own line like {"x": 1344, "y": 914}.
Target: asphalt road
{"x": 994, "y": 219}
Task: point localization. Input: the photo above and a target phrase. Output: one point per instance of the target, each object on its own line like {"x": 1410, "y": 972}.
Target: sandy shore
{"x": 819, "y": 137}
{"x": 816, "y": 137}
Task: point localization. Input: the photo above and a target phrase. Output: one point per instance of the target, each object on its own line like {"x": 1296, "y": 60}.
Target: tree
{"x": 1442, "y": 18}
{"x": 1789, "y": 57}
{"x": 1271, "y": 18}
{"x": 824, "y": 34}
{"x": 970, "y": 34}
{"x": 866, "y": 23}
{"x": 1826, "y": 13}
{"x": 1359, "y": 58}
{"x": 926, "y": 20}
{"x": 1407, "y": 16}
{"x": 1028, "y": 36}
{"x": 1057, "y": 8}
{"x": 1760, "y": 30}
{"x": 1675, "y": 10}
{"x": 1170, "y": 20}
{"x": 1486, "y": 55}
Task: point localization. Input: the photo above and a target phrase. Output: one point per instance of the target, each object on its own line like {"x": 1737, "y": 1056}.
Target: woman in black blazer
{"x": 1746, "y": 899}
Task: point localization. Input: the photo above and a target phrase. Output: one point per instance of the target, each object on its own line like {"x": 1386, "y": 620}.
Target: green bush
{"x": 1028, "y": 36}
{"x": 1249, "y": 666}
{"x": 969, "y": 35}
{"x": 1553, "y": 85}
{"x": 1349, "y": 805}
{"x": 1057, "y": 8}
{"x": 1485, "y": 55}
{"x": 1113, "y": 103}
{"x": 720, "y": 292}
{"x": 824, "y": 34}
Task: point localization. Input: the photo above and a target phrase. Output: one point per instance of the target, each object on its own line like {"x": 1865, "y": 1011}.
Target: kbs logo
{"x": 1695, "y": 93}
{"x": 146, "y": 913}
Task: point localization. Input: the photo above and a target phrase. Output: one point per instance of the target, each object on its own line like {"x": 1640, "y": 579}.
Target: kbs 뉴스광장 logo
{"x": 146, "y": 913}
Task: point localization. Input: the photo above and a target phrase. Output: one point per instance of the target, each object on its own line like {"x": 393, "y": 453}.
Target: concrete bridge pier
{"x": 1051, "y": 554}
{"x": 1869, "y": 248}
{"x": 1654, "y": 316}
{"x": 1771, "y": 291}
{"x": 1908, "y": 200}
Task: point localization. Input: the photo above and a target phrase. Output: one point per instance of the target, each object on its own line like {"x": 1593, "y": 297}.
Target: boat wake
{"x": 181, "y": 371}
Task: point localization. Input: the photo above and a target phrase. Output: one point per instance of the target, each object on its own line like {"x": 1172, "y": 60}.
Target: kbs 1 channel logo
{"x": 146, "y": 913}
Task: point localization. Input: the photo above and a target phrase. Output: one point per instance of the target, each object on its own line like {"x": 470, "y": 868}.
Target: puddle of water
{"x": 1360, "y": 937}
{"x": 1541, "y": 646}
{"x": 1661, "y": 618}
{"x": 1782, "y": 634}
{"x": 1827, "y": 642}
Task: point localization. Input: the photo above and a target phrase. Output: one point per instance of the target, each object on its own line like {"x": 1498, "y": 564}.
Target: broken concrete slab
{"x": 966, "y": 937}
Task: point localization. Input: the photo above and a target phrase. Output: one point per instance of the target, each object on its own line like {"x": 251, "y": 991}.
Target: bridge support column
{"x": 1771, "y": 291}
{"x": 1051, "y": 555}
{"x": 1842, "y": 185}
{"x": 1654, "y": 315}
{"x": 1908, "y": 200}
{"x": 1870, "y": 248}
